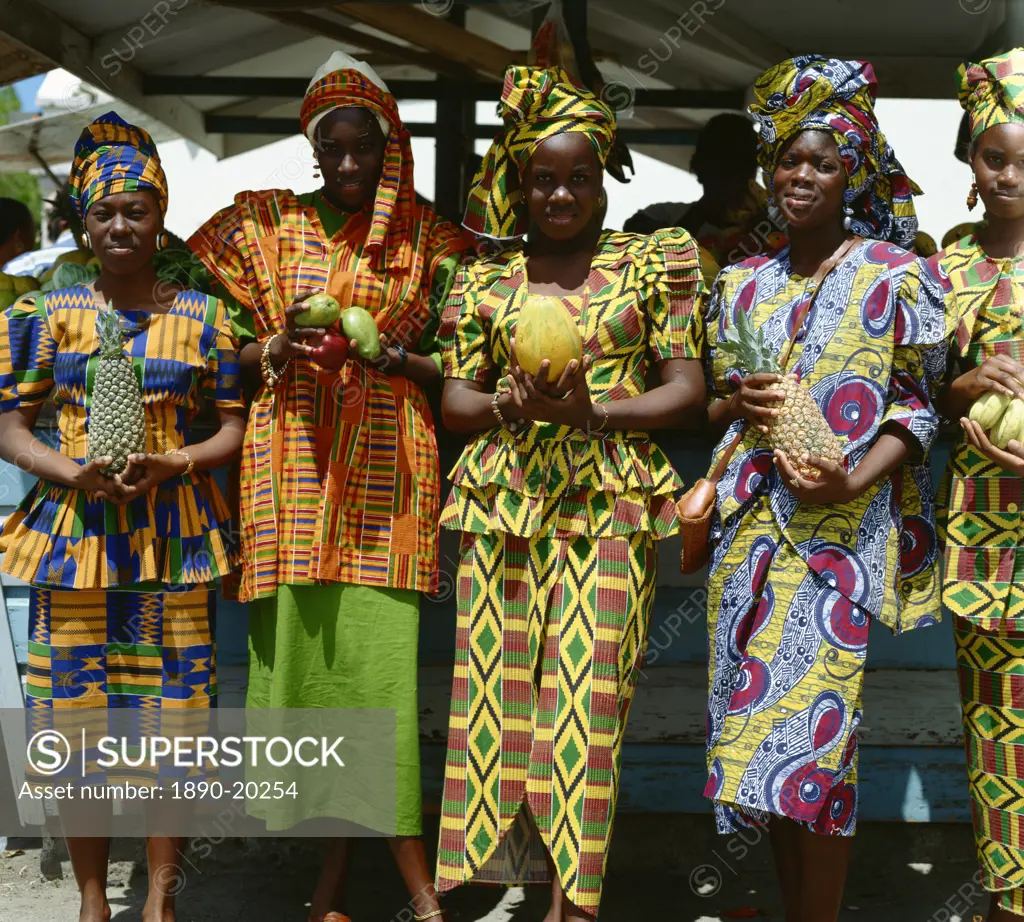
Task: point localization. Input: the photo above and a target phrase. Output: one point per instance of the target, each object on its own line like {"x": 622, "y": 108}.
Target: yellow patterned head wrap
{"x": 112, "y": 156}
{"x": 992, "y": 92}
{"x": 536, "y": 104}
{"x": 813, "y": 92}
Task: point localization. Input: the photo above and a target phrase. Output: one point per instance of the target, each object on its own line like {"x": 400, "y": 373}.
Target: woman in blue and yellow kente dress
{"x": 800, "y": 566}
{"x": 121, "y": 568}
{"x": 561, "y": 496}
{"x": 982, "y": 500}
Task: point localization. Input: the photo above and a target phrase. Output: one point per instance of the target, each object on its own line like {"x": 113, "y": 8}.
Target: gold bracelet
{"x": 270, "y": 377}
{"x": 188, "y": 457}
{"x": 604, "y": 422}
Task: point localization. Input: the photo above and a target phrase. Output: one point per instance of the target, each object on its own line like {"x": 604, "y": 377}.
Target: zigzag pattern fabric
{"x": 992, "y": 92}
{"x": 179, "y": 533}
{"x": 980, "y": 522}
{"x": 979, "y": 507}
{"x": 990, "y": 666}
{"x": 536, "y": 104}
{"x": 557, "y": 574}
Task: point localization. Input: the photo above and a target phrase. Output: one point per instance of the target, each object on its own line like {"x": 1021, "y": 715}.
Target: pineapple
{"x": 117, "y": 422}
{"x": 800, "y": 429}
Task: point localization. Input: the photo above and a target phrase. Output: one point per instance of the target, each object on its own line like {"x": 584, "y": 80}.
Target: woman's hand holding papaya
{"x": 1010, "y": 459}
{"x": 566, "y": 401}
{"x": 998, "y": 373}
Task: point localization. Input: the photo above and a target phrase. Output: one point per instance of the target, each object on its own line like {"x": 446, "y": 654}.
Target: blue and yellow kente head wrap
{"x": 992, "y": 92}
{"x": 112, "y": 156}
{"x": 813, "y": 92}
{"x": 536, "y": 104}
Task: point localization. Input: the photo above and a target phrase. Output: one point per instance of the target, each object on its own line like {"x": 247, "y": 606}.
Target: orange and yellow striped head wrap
{"x": 344, "y": 83}
{"x": 536, "y": 104}
{"x": 112, "y": 156}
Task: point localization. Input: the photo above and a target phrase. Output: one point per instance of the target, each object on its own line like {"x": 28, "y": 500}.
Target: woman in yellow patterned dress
{"x": 122, "y": 567}
{"x": 983, "y": 494}
{"x": 561, "y": 499}
{"x": 800, "y": 566}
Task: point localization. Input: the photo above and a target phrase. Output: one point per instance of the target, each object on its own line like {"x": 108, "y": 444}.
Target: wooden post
{"x": 456, "y": 118}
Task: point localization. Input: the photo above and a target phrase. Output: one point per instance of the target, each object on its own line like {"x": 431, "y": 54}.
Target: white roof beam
{"x": 32, "y": 25}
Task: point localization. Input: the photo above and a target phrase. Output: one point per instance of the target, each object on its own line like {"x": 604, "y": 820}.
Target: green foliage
{"x": 22, "y": 186}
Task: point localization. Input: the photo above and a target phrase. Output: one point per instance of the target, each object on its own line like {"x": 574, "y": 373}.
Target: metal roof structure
{"x": 229, "y": 74}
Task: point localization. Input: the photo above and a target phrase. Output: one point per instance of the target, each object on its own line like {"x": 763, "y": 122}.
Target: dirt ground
{"x": 661, "y": 867}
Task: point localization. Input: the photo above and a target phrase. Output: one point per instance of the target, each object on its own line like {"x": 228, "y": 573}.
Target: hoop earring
{"x": 972, "y": 197}
{"x": 847, "y": 217}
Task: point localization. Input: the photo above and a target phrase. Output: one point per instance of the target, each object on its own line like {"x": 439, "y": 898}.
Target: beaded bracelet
{"x": 271, "y": 377}
{"x": 511, "y": 425}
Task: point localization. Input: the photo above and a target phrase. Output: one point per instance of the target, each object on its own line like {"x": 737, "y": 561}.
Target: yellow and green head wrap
{"x": 536, "y": 104}
{"x": 827, "y": 94}
{"x": 112, "y": 156}
{"x": 992, "y": 92}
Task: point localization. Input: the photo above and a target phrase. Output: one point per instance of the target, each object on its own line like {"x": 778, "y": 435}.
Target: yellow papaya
{"x": 986, "y": 410}
{"x": 546, "y": 330}
{"x": 1010, "y": 425}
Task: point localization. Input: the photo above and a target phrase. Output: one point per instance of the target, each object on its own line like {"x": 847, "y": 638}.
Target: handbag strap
{"x": 823, "y": 270}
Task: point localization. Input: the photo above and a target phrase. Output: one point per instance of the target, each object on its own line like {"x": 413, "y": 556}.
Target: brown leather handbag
{"x": 698, "y": 503}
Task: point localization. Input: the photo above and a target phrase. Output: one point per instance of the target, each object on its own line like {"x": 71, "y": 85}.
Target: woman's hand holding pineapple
{"x": 755, "y": 399}
{"x": 565, "y": 402}
{"x": 834, "y": 484}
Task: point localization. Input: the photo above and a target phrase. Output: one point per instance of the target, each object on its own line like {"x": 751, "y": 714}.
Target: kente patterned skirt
{"x": 786, "y": 672}
{"x": 551, "y": 633}
{"x": 990, "y": 666}
{"x": 92, "y": 651}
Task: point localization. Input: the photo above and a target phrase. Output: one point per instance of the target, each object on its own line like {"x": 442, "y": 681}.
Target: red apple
{"x": 332, "y": 352}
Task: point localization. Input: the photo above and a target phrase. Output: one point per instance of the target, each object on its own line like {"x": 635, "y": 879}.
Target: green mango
{"x": 7, "y": 298}
{"x": 358, "y": 324}
{"x": 321, "y": 311}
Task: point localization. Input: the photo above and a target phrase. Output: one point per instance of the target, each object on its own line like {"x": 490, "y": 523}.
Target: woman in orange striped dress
{"x": 340, "y": 486}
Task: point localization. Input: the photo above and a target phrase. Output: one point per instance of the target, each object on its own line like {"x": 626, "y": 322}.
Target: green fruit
{"x": 321, "y": 311}
{"x": 7, "y": 298}
{"x": 23, "y": 284}
{"x": 358, "y": 324}
{"x": 81, "y": 257}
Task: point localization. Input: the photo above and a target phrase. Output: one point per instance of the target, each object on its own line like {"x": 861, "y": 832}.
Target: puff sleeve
{"x": 672, "y": 287}
{"x": 464, "y": 334}
{"x": 27, "y": 355}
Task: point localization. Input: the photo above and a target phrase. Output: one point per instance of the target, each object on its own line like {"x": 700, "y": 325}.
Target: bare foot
{"x": 97, "y": 910}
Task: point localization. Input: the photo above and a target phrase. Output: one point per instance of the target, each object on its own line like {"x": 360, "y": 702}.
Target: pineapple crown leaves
{"x": 746, "y": 345}
{"x": 109, "y": 329}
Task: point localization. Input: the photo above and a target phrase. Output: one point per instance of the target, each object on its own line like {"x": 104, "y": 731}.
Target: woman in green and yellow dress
{"x": 561, "y": 497}
{"x": 983, "y": 494}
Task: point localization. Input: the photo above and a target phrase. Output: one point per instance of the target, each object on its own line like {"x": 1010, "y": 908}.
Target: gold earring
{"x": 972, "y": 197}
